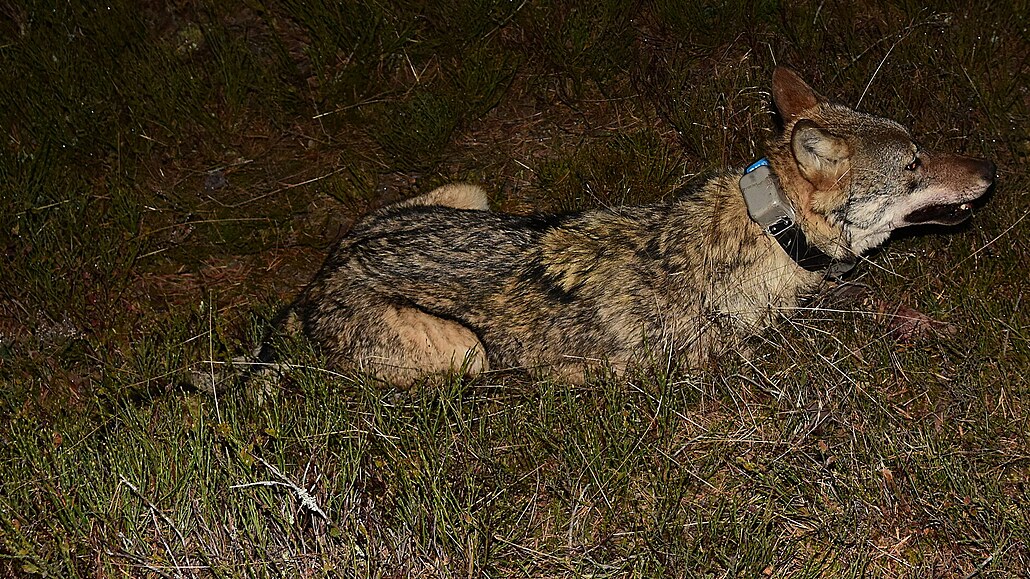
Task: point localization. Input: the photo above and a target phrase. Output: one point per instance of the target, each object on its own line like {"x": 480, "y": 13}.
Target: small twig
{"x": 286, "y": 187}
{"x": 211, "y": 357}
{"x": 877, "y": 71}
{"x": 275, "y": 366}
{"x": 140, "y": 561}
{"x": 905, "y": 34}
{"x": 991, "y": 242}
{"x": 363, "y": 103}
{"x": 202, "y": 221}
{"x": 306, "y": 500}
{"x": 158, "y": 512}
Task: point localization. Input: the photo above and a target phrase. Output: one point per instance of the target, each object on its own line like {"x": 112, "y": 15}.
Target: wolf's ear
{"x": 821, "y": 155}
{"x": 792, "y": 95}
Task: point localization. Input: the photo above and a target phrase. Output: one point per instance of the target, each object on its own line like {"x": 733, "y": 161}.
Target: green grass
{"x": 171, "y": 175}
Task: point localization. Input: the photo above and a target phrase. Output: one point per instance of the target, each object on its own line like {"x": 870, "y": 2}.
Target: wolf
{"x": 440, "y": 283}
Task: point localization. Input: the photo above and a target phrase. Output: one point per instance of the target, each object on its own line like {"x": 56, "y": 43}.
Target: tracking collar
{"x": 769, "y": 208}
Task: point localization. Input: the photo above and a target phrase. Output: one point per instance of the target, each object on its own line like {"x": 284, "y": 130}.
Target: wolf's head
{"x": 854, "y": 178}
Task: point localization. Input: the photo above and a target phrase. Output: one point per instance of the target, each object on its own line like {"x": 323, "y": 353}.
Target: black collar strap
{"x": 769, "y": 208}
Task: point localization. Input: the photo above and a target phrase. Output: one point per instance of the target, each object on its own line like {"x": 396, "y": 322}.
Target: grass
{"x": 171, "y": 175}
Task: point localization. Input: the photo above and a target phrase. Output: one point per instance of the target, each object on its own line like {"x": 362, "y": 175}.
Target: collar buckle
{"x": 778, "y": 227}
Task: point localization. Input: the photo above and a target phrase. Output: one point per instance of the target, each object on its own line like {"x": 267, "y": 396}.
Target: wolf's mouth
{"x": 945, "y": 214}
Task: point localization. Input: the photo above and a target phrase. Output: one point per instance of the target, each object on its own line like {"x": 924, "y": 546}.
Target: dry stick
{"x": 306, "y": 500}
{"x": 164, "y": 543}
{"x": 879, "y": 66}
{"x": 908, "y": 30}
{"x": 140, "y": 561}
{"x": 168, "y": 520}
{"x": 287, "y": 187}
{"x": 991, "y": 242}
{"x": 211, "y": 357}
{"x": 273, "y": 366}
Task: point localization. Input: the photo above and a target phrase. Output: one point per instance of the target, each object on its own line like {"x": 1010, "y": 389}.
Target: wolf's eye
{"x": 913, "y": 165}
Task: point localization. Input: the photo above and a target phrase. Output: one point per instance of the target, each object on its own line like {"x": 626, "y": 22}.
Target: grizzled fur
{"x": 439, "y": 283}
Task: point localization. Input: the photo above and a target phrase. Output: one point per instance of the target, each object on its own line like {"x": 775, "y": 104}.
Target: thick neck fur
{"x": 736, "y": 268}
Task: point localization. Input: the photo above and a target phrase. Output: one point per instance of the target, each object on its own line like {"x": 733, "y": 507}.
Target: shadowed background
{"x": 172, "y": 173}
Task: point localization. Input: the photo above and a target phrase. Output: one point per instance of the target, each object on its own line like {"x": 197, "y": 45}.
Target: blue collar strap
{"x": 767, "y": 207}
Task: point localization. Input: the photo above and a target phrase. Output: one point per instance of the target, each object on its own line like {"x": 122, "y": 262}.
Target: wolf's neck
{"x": 718, "y": 238}
{"x": 728, "y": 231}
{"x": 712, "y": 229}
